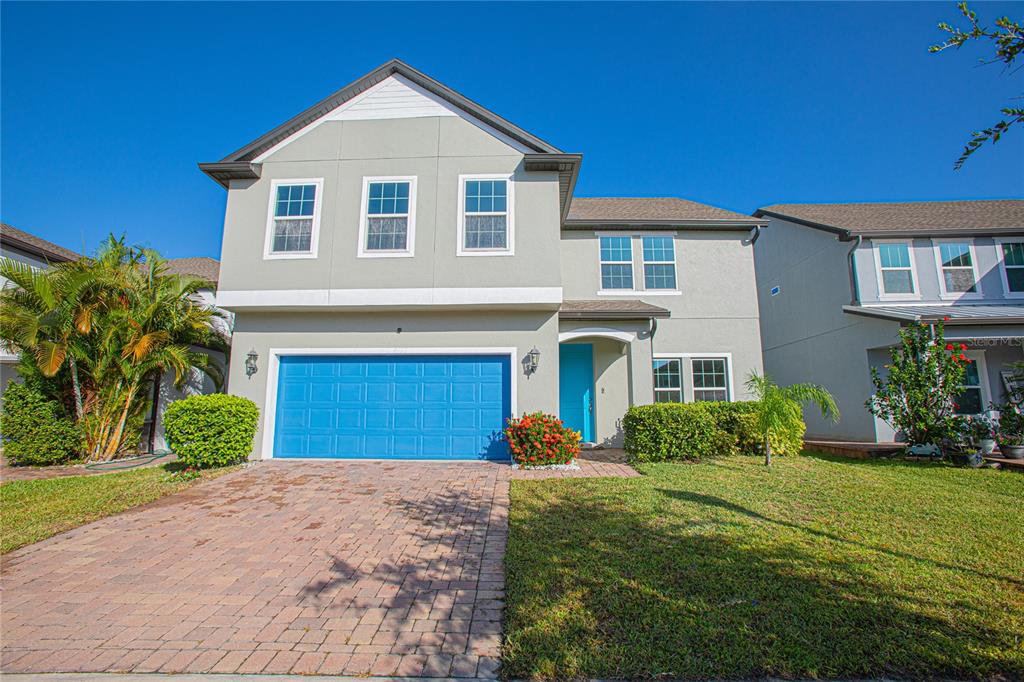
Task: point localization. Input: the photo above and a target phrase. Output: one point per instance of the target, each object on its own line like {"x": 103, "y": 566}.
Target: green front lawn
{"x": 817, "y": 567}
{"x": 31, "y": 511}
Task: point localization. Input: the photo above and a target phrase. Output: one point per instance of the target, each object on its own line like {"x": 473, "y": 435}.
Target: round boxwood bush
{"x": 539, "y": 439}
{"x": 211, "y": 430}
{"x": 35, "y": 429}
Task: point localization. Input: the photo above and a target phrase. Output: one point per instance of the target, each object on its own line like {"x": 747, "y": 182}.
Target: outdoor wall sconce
{"x": 250, "y": 362}
{"x": 532, "y": 360}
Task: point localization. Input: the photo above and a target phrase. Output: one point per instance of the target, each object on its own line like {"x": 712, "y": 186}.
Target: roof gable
{"x": 249, "y": 153}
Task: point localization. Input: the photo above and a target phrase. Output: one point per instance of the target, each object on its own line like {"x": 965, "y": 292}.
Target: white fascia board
{"x": 425, "y": 296}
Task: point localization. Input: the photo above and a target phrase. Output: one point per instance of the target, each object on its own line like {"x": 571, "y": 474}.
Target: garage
{"x": 392, "y": 406}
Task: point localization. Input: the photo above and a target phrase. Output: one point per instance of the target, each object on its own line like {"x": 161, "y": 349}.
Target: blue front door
{"x": 407, "y": 407}
{"x": 576, "y": 387}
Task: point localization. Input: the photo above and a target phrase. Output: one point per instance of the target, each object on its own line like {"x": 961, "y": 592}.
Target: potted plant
{"x": 982, "y": 433}
{"x": 1011, "y": 432}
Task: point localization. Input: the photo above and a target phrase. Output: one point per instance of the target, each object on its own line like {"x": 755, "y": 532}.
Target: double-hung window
{"x": 896, "y": 270}
{"x": 710, "y": 379}
{"x": 389, "y": 208}
{"x": 617, "y": 262}
{"x": 659, "y": 262}
{"x": 668, "y": 381}
{"x": 1012, "y": 253}
{"x": 485, "y": 225}
{"x": 956, "y": 269}
{"x": 294, "y": 218}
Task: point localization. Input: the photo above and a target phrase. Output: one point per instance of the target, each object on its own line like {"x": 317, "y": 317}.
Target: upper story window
{"x": 485, "y": 216}
{"x": 957, "y": 277}
{"x": 659, "y": 262}
{"x": 668, "y": 381}
{"x": 388, "y": 220}
{"x": 710, "y": 379}
{"x": 896, "y": 270}
{"x": 1012, "y": 257}
{"x": 294, "y": 218}
{"x": 617, "y": 263}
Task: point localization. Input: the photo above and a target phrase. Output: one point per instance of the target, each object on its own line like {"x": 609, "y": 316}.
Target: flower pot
{"x": 967, "y": 459}
{"x": 1012, "y": 451}
{"x": 987, "y": 445}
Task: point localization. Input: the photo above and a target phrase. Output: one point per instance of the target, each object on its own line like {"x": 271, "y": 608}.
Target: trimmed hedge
{"x": 665, "y": 432}
{"x": 211, "y": 430}
{"x": 36, "y": 430}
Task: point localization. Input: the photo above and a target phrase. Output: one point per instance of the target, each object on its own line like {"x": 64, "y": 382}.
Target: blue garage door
{"x": 408, "y": 407}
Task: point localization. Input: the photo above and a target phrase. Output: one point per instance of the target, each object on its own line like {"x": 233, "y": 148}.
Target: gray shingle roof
{"x": 609, "y": 309}
{"x": 23, "y": 241}
{"x": 919, "y": 217}
{"x": 207, "y": 269}
{"x": 957, "y": 314}
{"x": 657, "y": 209}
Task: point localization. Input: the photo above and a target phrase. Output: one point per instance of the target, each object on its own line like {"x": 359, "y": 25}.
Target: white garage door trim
{"x": 270, "y": 404}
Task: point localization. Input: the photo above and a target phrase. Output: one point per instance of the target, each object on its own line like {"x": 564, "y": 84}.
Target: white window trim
{"x": 635, "y": 243}
{"x": 687, "y": 357}
{"x": 510, "y": 240}
{"x": 956, "y": 295}
{"x": 682, "y": 383}
{"x": 410, "y": 235}
{"x": 274, "y": 369}
{"x": 882, "y": 296}
{"x": 1002, "y": 265}
{"x": 978, "y": 356}
{"x": 314, "y": 237}
{"x": 644, "y": 263}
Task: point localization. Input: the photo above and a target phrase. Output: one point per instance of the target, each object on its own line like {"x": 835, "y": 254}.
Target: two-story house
{"x": 408, "y": 269}
{"x": 837, "y": 281}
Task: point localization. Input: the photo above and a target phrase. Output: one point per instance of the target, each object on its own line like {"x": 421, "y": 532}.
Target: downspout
{"x": 754, "y": 234}
{"x": 851, "y": 261}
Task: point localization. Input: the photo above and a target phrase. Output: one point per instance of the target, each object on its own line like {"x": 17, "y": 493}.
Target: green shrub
{"x": 35, "y": 429}
{"x": 692, "y": 431}
{"x": 211, "y": 430}
{"x": 540, "y": 439}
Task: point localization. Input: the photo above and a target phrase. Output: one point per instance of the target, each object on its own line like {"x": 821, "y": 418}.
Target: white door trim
{"x": 274, "y": 367}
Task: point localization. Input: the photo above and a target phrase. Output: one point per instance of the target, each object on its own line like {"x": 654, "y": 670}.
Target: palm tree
{"x": 781, "y": 408}
{"x": 120, "y": 321}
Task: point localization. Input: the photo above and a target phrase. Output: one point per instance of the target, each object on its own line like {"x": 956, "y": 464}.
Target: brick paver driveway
{"x": 355, "y": 568}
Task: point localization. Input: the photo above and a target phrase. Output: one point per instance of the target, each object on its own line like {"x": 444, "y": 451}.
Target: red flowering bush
{"x": 538, "y": 439}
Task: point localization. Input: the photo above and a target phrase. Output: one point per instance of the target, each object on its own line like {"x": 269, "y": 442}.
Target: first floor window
{"x": 387, "y": 216}
{"x": 957, "y": 268}
{"x": 616, "y": 262}
{"x": 1013, "y": 262}
{"x": 659, "y": 262}
{"x": 897, "y": 273}
{"x": 294, "y": 208}
{"x": 710, "y": 379}
{"x": 485, "y": 226}
{"x": 970, "y": 400}
{"x": 668, "y": 381}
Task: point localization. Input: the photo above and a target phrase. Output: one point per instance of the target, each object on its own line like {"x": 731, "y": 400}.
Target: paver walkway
{"x": 355, "y": 568}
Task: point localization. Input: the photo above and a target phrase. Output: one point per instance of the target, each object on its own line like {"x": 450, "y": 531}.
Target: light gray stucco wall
{"x": 436, "y": 150}
{"x": 465, "y": 330}
{"x": 715, "y": 310}
{"x": 807, "y": 337}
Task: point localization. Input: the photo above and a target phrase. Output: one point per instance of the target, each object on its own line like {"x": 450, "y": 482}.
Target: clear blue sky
{"x": 107, "y": 108}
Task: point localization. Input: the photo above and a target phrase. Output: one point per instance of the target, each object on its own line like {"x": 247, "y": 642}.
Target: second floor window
{"x": 659, "y": 262}
{"x": 485, "y": 216}
{"x": 956, "y": 263}
{"x": 388, "y": 223}
{"x": 1013, "y": 266}
{"x": 897, "y": 271}
{"x": 293, "y": 219}
{"x": 616, "y": 262}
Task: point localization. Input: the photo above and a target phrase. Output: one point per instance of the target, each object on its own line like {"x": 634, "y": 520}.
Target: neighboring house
{"x": 37, "y": 252}
{"x": 408, "y": 269}
{"x": 837, "y": 281}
